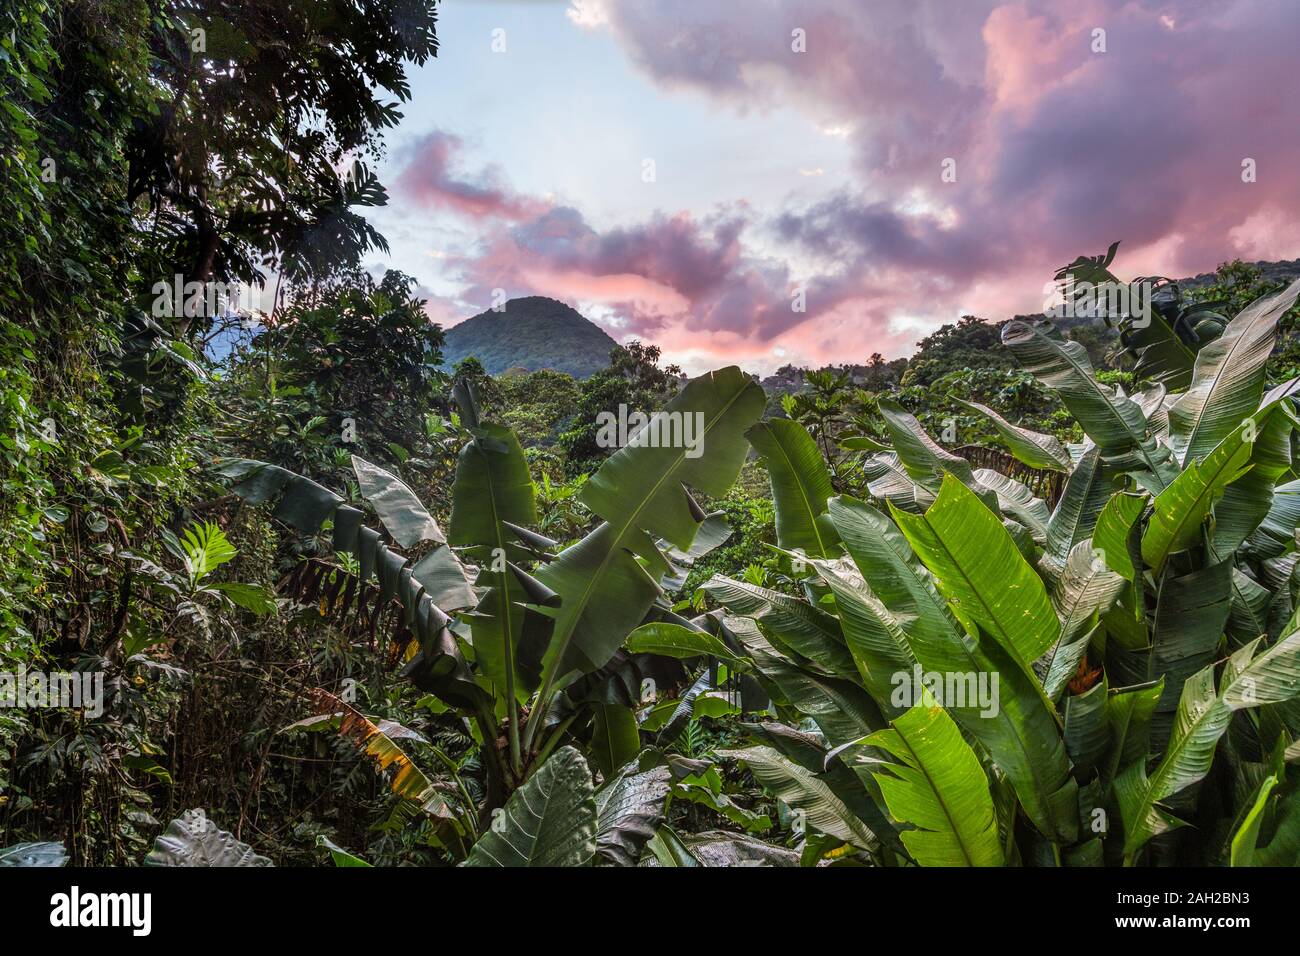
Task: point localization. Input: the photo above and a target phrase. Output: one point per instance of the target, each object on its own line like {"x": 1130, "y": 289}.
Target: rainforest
{"x": 281, "y": 586}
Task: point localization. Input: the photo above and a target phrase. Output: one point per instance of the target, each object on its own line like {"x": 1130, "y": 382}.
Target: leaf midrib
{"x": 1111, "y": 410}
{"x": 616, "y": 542}
{"x": 1206, "y": 491}
{"x": 803, "y": 491}
{"x": 943, "y": 803}
{"x": 1213, "y": 384}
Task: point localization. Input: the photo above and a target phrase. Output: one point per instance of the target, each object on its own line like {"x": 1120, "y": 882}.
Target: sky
{"x": 763, "y": 182}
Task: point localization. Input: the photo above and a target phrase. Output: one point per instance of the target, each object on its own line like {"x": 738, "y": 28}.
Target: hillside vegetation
{"x": 346, "y": 597}
{"x": 531, "y": 333}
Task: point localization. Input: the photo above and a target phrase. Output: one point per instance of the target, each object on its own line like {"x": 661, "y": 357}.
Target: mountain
{"x": 531, "y": 333}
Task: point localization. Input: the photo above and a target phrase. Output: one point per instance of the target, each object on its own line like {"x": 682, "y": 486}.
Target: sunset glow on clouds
{"x": 778, "y": 170}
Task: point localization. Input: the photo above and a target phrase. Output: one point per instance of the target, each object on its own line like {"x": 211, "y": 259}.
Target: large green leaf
{"x": 1202, "y": 718}
{"x": 982, "y": 572}
{"x": 1112, "y": 538}
{"x": 1017, "y": 501}
{"x": 641, "y": 485}
{"x": 1114, "y": 422}
{"x": 924, "y": 459}
{"x": 629, "y": 810}
{"x": 615, "y": 739}
{"x": 549, "y": 821}
{"x": 446, "y": 580}
{"x": 855, "y": 787}
{"x": 1085, "y": 590}
{"x": 806, "y": 632}
{"x": 805, "y": 791}
{"x": 1160, "y": 353}
{"x": 1086, "y": 492}
{"x": 1087, "y": 735}
{"x": 895, "y": 575}
{"x": 1228, "y": 379}
{"x": 669, "y": 850}
{"x": 641, "y": 493}
{"x": 604, "y": 593}
{"x": 841, "y": 708}
{"x": 874, "y": 636}
{"x": 492, "y": 497}
{"x": 862, "y": 443}
{"x": 340, "y": 856}
{"x": 1283, "y": 849}
{"x": 1022, "y": 734}
{"x": 939, "y": 787}
{"x": 33, "y": 854}
{"x": 1033, "y": 448}
{"x": 397, "y": 506}
{"x": 1247, "y": 503}
{"x": 1247, "y": 836}
{"x": 675, "y": 640}
{"x": 800, "y": 485}
{"x": 1179, "y": 511}
{"x": 194, "y": 840}
{"x": 492, "y": 487}
{"x": 887, "y": 479}
{"x": 305, "y": 505}
{"x": 1275, "y": 534}
{"x": 1187, "y": 625}
{"x": 1250, "y": 613}
{"x": 302, "y": 503}
{"x": 1128, "y": 717}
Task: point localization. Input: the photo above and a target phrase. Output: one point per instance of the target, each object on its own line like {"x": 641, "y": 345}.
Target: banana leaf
{"x": 1115, "y": 423}
{"x": 800, "y": 486}
{"x": 806, "y": 632}
{"x": 1017, "y": 501}
{"x": 981, "y": 572}
{"x": 398, "y": 508}
{"x": 1022, "y": 734}
{"x": 874, "y": 637}
{"x": 939, "y": 787}
{"x": 1228, "y": 378}
{"x": 805, "y": 791}
{"x": 1187, "y": 626}
{"x": 1034, "y": 449}
{"x": 629, "y": 810}
{"x": 1203, "y": 716}
{"x": 641, "y": 493}
{"x": 550, "y": 821}
{"x": 1179, "y": 511}
{"x": 1086, "y": 492}
{"x": 925, "y": 460}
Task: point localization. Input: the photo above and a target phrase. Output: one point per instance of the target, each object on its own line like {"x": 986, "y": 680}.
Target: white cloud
{"x": 587, "y": 14}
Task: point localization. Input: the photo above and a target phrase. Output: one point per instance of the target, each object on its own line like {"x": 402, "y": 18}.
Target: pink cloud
{"x": 430, "y": 178}
{"x": 1059, "y": 150}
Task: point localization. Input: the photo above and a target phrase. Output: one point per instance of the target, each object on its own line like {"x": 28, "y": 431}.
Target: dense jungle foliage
{"x": 1028, "y": 597}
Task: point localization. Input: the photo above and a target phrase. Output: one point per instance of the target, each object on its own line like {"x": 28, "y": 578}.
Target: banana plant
{"x": 1161, "y": 337}
{"x": 521, "y": 638}
{"x": 993, "y": 682}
